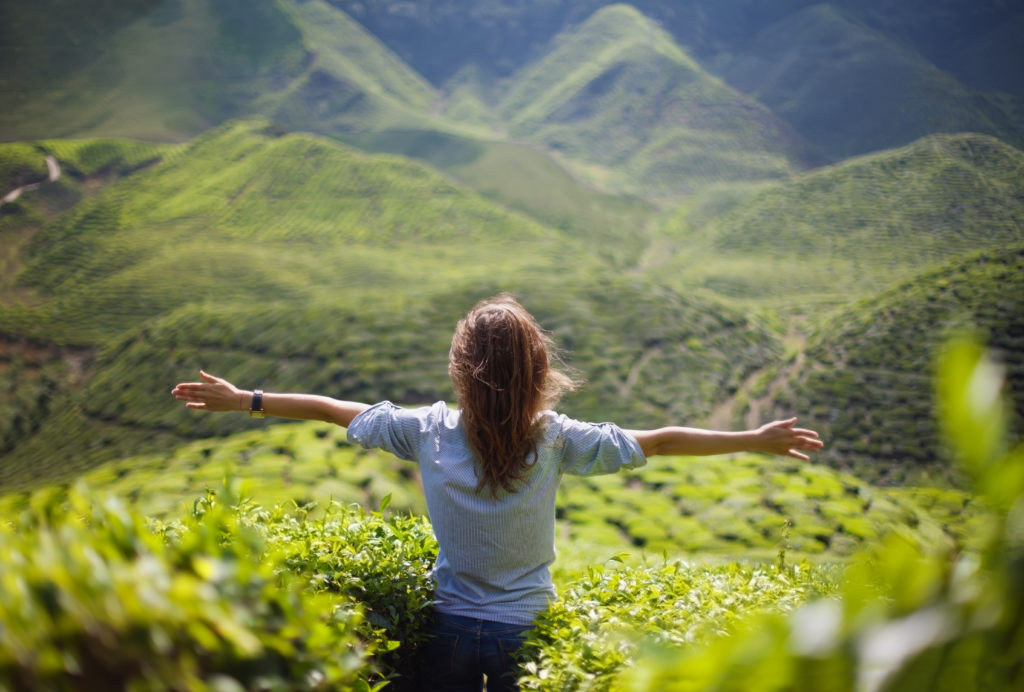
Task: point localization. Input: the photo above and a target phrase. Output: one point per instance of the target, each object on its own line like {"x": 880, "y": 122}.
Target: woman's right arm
{"x": 779, "y": 437}
{"x": 217, "y": 394}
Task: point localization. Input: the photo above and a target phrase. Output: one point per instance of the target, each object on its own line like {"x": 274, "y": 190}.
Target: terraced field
{"x": 680, "y": 507}
{"x": 868, "y": 374}
{"x": 850, "y": 230}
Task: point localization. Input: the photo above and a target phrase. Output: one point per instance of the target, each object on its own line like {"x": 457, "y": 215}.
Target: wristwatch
{"x": 256, "y": 411}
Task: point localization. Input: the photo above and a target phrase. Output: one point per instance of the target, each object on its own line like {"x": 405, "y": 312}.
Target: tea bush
{"x": 227, "y": 597}
{"x": 908, "y": 616}
{"x": 606, "y": 617}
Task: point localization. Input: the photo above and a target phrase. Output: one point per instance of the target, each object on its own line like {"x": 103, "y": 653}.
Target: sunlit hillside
{"x": 723, "y": 212}
{"x": 618, "y": 95}
{"x": 305, "y": 63}
{"x": 868, "y": 375}
{"x": 849, "y": 230}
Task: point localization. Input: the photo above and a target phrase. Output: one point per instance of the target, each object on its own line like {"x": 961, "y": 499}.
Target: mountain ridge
{"x": 618, "y": 92}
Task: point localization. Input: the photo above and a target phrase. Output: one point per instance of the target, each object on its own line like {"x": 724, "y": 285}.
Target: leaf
{"x": 972, "y": 411}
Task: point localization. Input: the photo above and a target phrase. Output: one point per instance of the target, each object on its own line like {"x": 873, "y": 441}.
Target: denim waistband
{"x": 477, "y": 625}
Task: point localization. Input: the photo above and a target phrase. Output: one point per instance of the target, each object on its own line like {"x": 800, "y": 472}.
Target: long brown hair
{"x": 500, "y": 364}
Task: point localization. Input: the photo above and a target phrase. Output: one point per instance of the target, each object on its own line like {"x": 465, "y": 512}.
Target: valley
{"x": 723, "y": 214}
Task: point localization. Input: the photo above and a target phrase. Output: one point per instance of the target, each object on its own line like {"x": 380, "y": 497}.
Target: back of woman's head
{"x": 500, "y": 364}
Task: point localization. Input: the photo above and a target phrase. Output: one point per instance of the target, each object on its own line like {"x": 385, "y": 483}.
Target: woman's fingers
{"x": 209, "y": 378}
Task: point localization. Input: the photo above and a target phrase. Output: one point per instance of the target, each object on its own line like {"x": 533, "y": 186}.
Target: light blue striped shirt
{"x": 494, "y": 554}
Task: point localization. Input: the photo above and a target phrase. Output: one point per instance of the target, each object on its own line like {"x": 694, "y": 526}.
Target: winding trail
{"x": 54, "y": 174}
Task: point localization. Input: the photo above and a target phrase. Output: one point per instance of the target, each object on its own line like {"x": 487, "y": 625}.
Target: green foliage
{"x": 304, "y": 463}
{"x": 92, "y": 594}
{"x": 908, "y": 616}
{"x": 602, "y": 620}
{"x": 853, "y": 229}
{"x": 383, "y": 564}
{"x": 228, "y": 596}
{"x": 618, "y": 95}
{"x": 867, "y": 376}
{"x": 755, "y": 506}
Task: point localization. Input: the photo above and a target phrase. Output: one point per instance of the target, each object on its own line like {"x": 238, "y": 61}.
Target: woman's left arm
{"x": 780, "y": 437}
{"x": 217, "y": 394}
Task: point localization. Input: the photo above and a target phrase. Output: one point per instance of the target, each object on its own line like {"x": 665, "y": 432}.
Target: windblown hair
{"x": 500, "y": 364}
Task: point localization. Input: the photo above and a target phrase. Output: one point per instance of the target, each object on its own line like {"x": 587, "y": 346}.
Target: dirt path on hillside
{"x": 721, "y": 416}
{"x": 53, "y": 171}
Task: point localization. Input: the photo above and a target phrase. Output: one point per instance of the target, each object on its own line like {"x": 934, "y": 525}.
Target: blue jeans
{"x": 462, "y": 650}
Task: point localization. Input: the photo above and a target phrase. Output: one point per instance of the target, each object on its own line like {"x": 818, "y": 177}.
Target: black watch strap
{"x": 256, "y": 411}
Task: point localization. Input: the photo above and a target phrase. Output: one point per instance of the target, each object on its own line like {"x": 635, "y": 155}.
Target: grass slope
{"x": 20, "y": 164}
{"x": 867, "y": 377}
{"x": 245, "y": 214}
{"x": 747, "y": 506}
{"x": 133, "y": 231}
{"x": 851, "y": 229}
{"x": 299, "y": 62}
{"x": 621, "y": 97}
{"x": 666, "y": 359}
{"x": 527, "y": 179}
{"x": 849, "y": 89}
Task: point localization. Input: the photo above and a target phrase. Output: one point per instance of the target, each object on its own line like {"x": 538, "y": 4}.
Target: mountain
{"x": 958, "y": 57}
{"x": 298, "y": 262}
{"x": 669, "y": 358}
{"x": 866, "y": 376}
{"x": 311, "y": 175}
{"x": 848, "y": 88}
{"x": 244, "y": 197}
{"x": 851, "y": 229}
{"x": 622, "y": 98}
{"x": 170, "y": 70}
{"x": 618, "y": 95}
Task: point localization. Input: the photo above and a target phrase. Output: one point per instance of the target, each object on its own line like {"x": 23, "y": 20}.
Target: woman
{"x": 490, "y": 473}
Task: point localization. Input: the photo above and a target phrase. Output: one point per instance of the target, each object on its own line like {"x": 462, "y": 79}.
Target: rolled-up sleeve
{"x": 391, "y": 428}
{"x": 591, "y": 449}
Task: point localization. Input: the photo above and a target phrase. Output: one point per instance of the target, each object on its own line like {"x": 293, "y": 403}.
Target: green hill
{"x": 607, "y": 89}
{"x": 298, "y": 263}
{"x": 305, "y": 63}
{"x": 620, "y": 97}
{"x": 666, "y": 359}
{"x": 527, "y": 179}
{"x": 866, "y": 377}
{"x": 20, "y": 164}
{"x": 243, "y": 213}
{"x": 849, "y": 230}
{"x": 849, "y": 89}
{"x": 889, "y": 72}
{"x": 680, "y": 507}
{"x": 133, "y": 231}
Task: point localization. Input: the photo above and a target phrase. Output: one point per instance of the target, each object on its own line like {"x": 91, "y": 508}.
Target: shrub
{"x": 228, "y": 597}
{"x": 908, "y": 616}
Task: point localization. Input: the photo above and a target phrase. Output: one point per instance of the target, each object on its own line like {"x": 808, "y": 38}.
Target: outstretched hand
{"x": 212, "y": 394}
{"x": 782, "y": 438}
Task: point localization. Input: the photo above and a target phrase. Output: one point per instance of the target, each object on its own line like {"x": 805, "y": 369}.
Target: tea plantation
{"x": 223, "y": 594}
{"x": 869, "y": 370}
{"x": 238, "y": 554}
{"x": 215, "y": 592}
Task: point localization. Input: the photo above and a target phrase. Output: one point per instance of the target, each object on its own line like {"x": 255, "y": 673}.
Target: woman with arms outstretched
{"x": 490, "y": 473}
